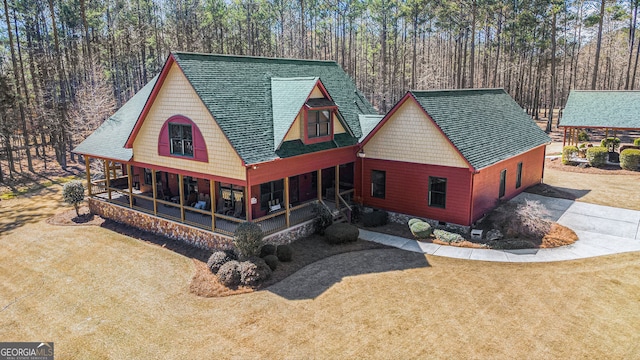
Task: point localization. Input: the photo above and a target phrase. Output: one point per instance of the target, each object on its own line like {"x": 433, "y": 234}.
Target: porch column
{"x": 108, "y": 172}
{"x": 337, "y": 186}
{"x": 247, "y": 202}
{"x": 87, "y": 170}
{"x": 212, "y": 197}
{"x": 155, "y": 192}
{"x": 130, "y": 180}
{"x": 319, "y": 184}
{"x": 286, "y": 202}
{"x": 181, "y": 189}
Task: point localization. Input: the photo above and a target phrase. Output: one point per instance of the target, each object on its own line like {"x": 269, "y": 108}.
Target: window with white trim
{"x": 181, "y": 139}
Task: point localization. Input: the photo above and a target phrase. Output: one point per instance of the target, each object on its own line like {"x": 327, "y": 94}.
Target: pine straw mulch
{"x": 70, "y": 218}
{"x": 556, "y": 164}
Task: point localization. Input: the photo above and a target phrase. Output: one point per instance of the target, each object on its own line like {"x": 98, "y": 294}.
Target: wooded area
{"x": 66, "y": 65}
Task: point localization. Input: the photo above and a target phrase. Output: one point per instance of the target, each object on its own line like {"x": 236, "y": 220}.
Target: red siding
{"x": 486, "y": 183}
{"x": 407, "y": 186}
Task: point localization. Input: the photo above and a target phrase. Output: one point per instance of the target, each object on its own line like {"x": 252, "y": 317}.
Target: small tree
{"x": 73, "y": 194}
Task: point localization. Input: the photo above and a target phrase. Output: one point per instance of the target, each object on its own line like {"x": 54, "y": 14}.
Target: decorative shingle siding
{"x": 177, "y": 97}
{"x": 409, "y": 136}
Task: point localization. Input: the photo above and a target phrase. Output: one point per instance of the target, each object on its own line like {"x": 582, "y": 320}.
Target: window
{"x": 378, "y": 183}
{"x": 272, "y": 194}
{"x": 230, "y": 195}
{"x": 181, "y": 139}
{"x": 318, "y": 122}
{"x": 519, "y": 175}
{"x": 503, "y": 182}
{"x": 147, "y": 177}
{"x": 437, "y": 191}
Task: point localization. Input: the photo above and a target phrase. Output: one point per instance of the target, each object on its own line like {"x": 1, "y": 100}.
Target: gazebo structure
{"x": 609, "y": 111}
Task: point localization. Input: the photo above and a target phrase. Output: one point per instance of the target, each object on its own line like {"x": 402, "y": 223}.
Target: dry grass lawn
{"x": 98, "y": 294}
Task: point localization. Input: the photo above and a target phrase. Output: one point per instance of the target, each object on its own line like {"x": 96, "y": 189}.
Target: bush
{"x": 583, "y": 136}
{"x": 248, "y": 239}
{"x": 267, "y": 249}
{"x": 217, "y": 259}
{"x": 374, "y": 218}
{"x": 636, "y": 142}
{"x": 324, "y": 218}
{"x": 629, "y": 159}
{"x": 568, "y": 153}
{"x": 272, "y": 261}
{"x": 597, "y": 156}
{"x": 284, "y": 253}
{"x": 254, "y": 271}
{"x": 341, "y": 233}
{"x": 413, "y": 221}
{"x": 625, "y": 147}
{"x": 229, "y": 274}
{"x": 611, "y": 144}
{"x": 447, "y": 236}
{"x": 73, "y": 194}
{"x": 421, "y": 230}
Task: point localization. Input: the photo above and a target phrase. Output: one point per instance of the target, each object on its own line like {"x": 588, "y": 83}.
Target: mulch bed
{"x": 70, "y": 218}
{"x": 556, "y": 164}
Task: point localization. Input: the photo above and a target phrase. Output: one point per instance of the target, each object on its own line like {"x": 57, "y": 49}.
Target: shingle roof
{"x": 485, "y": 125}
{"x": 606, "y": 109}
{"x": 109, "y": 139}
{"x": 237, "y": 91}
{"x": 368, "y": 123}
{"x": 287, "y": 98}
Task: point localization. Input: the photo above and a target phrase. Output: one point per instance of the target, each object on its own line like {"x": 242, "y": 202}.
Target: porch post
{"x": 286, "y": 201}
{"x": 130, "y": 180}
{"x": 181, "y": 189}
{"x": 247, "y": 202}
{"x": 108, "y": 172}
{"x": 155, "y": 191}
{"x": 87, "y": 170}
{"x": 212, "y": 197}
{"x": 337, "y": 186}
{"x": 564, "y": 138}
{"x": 319, "y": 184}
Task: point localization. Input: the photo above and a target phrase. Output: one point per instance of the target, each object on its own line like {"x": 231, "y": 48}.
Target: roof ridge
{"x": 250, "y": 57}
{"x": 297, "y": 78}
{"x": 453, "y": 90}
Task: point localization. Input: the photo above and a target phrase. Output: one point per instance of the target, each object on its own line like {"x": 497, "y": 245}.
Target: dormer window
{"x": 318, "y": 123}
{"x": 181, "y": 139}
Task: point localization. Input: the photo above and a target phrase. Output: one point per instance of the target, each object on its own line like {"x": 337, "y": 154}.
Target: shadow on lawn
{"x": 316, "y": 278}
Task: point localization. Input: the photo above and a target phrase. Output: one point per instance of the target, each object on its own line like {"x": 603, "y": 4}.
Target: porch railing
{"x": 99, "y": 187}
{"x": 343, "y": 206}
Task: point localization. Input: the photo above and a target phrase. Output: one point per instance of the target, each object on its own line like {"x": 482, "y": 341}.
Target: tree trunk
{"x": 596, "y": 63}
{"x": 552, "y": 96}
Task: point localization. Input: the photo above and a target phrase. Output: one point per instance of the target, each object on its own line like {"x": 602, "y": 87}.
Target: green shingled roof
{"x": 486, "y": 125}
{"x": 109, "y": 139}
{"x": 368, "y": 123}
{"x": 237, "y": 90}
{"x": 606, "y": 109}
{"x": 287, "y": 97}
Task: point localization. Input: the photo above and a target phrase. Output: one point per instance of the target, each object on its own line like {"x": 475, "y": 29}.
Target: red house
{"x": 450, "y": 155}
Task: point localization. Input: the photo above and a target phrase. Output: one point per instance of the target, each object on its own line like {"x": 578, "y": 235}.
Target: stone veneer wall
{"x": 189, "y": 234}
{"x": 404, "y": 219}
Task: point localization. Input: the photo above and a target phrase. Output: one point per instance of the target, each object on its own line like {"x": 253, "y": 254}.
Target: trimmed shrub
{"x": 217, "y": 259}
{"x": 229, "y": 274}
{"x": 568, "y": 153}
{"x": 629, "y": 159}
{"x": 341, "y": 233}
{"x": 374, "y": 218}
{"x": 636, "y": 142}
{"x": 610, "y": 143}
{"x": 272, "y": 261}
{"x": 625, "y": 147}
{"x": 597, "y": 156}
{"x": 73, "y": 194}
{"x": 324, "y": 218}
{"x": 583, "y": 136}
{"x": 284, "y": 253}
{"x": 421, "y": 230}
{"x": 413, "y": 221}
{"x": 267, "y": 249}
{"x": 447, "y": 236}
{"x": 248, "y": 239}
{"x": 254, "y": 271}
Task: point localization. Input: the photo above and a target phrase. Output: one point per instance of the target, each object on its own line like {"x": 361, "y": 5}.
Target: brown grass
{"x": 558, "y": 236}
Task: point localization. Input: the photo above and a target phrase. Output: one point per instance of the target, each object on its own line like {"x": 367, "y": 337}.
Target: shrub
{"x": 272, "y": 261}
{"x": 583, "y": 136}
{"x": 248, "y": 239}
{"x": 324, "y": 217}
{"x": 229, "y": 274}
{"x": 421, "y": 230}
{"x": 217, "y": 259}
{"x": 267, "y": 249}
{"x": 73, "y": 194}
{"x": 341, "y": 233}
{"x": 254, "y": 271}
{"x": 625, "y": 147}
{"x": 629, "y": 159}
{"x": 568, "y": 153}
{"x": 284, "y": 253}
{"x": 413, "y": 221}
{"x": 374, "y": 218}
{"x": 636, "y": 142}
{"x": 611, "y": 144}
{"x": 597, "y": 156}
{"x": 447, "y": 236}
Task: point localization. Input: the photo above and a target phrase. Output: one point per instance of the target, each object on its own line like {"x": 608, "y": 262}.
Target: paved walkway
{"x": 602, "y": 230}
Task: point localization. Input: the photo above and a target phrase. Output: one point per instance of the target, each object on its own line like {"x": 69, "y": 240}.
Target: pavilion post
{"x": 564, "y": 138}
{"x": 87, "y": 169}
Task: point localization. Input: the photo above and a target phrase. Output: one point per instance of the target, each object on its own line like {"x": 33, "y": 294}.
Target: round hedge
{"x": 569, "y": 152}
{"x": 229, "y": 274}
{"x": 597, "y": 156}
{"x": 248, "y": 239}
{"x": 636, "y": 142}
{"x": 272, "y": 261}
{"x": 413, "y": 221}
{"x": 421, "y": 230}
{"x": 284, "y": 253}
{"x": 341, "y": 233}
{"x": 267, "y": 249}
{"x": 217, "y": 259}
{"x": 629, "y": 159}
{"x": 254, "y": 271}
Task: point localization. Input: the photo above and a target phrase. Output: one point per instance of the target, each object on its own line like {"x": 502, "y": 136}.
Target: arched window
{"x": 180, "y": 137}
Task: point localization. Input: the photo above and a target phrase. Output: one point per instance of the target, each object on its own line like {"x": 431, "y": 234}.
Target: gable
{"x": 176, "y": 97}
{"x": 408, "y": 135}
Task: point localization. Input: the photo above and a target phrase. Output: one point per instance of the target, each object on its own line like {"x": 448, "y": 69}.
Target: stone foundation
{"x": 291, "y": 234}
{"x": 404, "y": 219}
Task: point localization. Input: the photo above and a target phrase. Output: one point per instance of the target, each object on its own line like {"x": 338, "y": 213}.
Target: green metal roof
{"x": 485, "y": 125}
{"x": 287, "y": 97}
{"x": 368, "y": 123}
{"x": 109, "y": 139}
{"x": 603, "y": 109}
{"x": 237, "y": 90}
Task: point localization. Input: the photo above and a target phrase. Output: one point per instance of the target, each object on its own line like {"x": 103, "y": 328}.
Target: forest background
{"x": 66, "y": 65}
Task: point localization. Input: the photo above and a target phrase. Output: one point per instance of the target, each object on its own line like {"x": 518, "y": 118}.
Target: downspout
{"x": 473, "y": 177}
